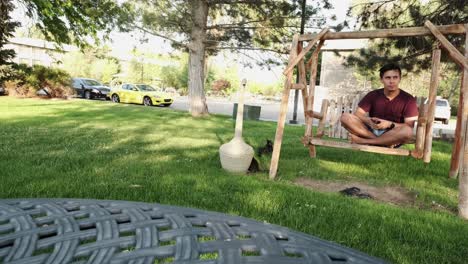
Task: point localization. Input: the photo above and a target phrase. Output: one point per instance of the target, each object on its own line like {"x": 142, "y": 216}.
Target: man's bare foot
{"x": 353, "y": 139}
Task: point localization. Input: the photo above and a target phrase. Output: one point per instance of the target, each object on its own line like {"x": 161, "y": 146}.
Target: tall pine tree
{"x": 412, "y": 53}
{"x": 204, "y": 27}
{"x": 7, "y": 27}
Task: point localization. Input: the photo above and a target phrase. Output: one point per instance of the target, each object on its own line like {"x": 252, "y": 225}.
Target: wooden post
{"x": 347, "y": 109}
{"x": 301, "y": 55}
{"x": 463, "y": 179}
{"x": 354, "y": 106}
{"x": 304, "y": 101}
{"x": 310, "y": 99}
{"x": 283, "y": 111}
{"x": 303, "y": 81}
{"x": 452, "y": 51}
{"x": 332, "y": 112}
{"x": 313, "y": 114}
{"x": 387, "y": 33}
{"x": 323, "y": 120}
{"x": 339, "y": 110}
{"x": 336, "y": 118}
{"x": 461, "y": 119}
{"x": 420, "y": 131}
{"x": 431, "y": 105}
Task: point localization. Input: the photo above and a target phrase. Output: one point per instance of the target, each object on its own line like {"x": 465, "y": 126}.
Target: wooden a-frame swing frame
{"x": 423, "y": 144}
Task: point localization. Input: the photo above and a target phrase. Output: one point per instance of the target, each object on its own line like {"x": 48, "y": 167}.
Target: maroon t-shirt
{"x": 396, "y": 110}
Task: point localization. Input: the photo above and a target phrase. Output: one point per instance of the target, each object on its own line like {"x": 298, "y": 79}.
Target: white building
{"x": 36, "y": 51}
{"x": 31, "y": 52}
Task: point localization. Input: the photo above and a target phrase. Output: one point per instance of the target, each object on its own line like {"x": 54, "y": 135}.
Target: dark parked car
{"x": 2, "y": 90}
{"x": 90, "y": 88}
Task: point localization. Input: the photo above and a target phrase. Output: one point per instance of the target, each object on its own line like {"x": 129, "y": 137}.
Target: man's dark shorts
{"x": 377, "y": 132}
{"x": 380, "y": 132}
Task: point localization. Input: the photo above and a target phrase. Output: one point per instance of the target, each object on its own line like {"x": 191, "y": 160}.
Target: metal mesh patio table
{"x": 99, "y": 231}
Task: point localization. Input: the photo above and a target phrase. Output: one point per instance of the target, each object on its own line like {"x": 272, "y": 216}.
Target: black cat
{"x": 254, "y": 166}
{"x": 267, "y": 149}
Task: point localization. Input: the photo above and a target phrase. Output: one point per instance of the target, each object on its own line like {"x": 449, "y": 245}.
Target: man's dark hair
{"x": 389, "y": 67}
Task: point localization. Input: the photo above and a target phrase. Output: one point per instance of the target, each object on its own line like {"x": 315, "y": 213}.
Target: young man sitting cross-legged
{"x": 384, "y": 117}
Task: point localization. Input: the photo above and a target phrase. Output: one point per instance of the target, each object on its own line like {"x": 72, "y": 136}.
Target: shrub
{"x": 15, "y": 88}
{"x": 6, "y": 73}
{"x": 26, "y": 81}
{"x": 271, "y": 90}
{"x": 183, "y": 91}
{"x": 220, "y": 87}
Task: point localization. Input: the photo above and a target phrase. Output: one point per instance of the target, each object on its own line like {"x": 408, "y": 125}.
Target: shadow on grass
{"x": 105, "y": 151}
{"x": 116, "y": 134}
{"x": 429, "y": 181}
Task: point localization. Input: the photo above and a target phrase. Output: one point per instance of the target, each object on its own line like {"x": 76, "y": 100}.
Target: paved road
{"x": 270, "y": 110}
{"x": 224, "y": 106}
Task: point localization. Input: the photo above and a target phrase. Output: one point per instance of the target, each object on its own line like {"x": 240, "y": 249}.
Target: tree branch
{"x": 215, "y": 2}
{"x": 248, "y": 22}
{"x": 371, "y": 3}
{"x": 248, "y": 48}
{"x": 160, "y": 35}
{"x": 257, "y": 27}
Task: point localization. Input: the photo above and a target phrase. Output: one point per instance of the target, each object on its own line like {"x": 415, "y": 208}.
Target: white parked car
{"x": 442, "y": 110}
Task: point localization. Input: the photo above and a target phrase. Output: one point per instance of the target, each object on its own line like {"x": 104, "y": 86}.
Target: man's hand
{"x": 378, "y": 123}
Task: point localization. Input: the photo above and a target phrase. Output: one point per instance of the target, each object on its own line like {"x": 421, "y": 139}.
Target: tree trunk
{"x": 199, "y": 10}
{"x": 453, "y": 89}
{"x": 206, "y": 67}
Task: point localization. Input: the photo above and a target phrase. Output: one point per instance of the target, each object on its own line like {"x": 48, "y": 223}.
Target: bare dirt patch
{"x": 388, "y": 194}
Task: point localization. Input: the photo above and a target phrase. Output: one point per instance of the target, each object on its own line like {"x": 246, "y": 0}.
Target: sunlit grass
{"x": 100, "y": 150}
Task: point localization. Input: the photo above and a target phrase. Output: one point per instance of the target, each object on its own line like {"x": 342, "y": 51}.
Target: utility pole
{"x": 296, "y": 92}
{"x": 142, "y": 71}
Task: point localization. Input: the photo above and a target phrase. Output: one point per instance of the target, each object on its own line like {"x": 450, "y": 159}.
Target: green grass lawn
{"x": 100, "y": 150}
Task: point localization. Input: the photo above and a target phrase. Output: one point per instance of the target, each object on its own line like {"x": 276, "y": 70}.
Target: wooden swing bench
{"x": 332, "y": 110}
{"x": 424, "y": 130}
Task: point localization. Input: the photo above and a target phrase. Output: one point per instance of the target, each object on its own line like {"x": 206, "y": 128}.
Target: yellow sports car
{"x": 140, "y": 94}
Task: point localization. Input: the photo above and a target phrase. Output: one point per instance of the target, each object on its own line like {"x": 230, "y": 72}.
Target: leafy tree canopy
{"x": 412, "y": 53}
{"x": 91, "y": 62}
{"x": 72, "y": 21}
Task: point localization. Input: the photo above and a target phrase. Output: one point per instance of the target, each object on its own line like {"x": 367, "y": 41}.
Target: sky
{"x": 123, "y": 43}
